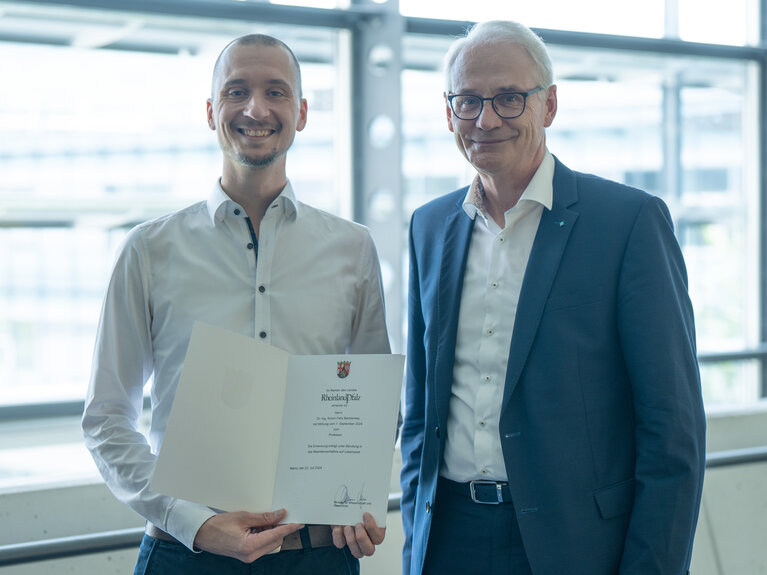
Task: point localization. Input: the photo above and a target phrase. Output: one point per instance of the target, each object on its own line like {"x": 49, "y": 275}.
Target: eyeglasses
{"x": 507, "y": 105}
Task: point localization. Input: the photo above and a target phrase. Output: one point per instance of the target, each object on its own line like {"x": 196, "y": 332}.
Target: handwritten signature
{"x": 343, "y": 499}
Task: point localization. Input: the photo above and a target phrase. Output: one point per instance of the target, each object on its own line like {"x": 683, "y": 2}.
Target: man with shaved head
{"x": 254, "y": 260}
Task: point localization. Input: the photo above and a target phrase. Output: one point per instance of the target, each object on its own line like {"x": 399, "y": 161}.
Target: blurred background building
{"x": 102, "y": 126}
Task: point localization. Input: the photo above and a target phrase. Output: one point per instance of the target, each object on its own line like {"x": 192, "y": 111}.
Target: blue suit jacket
{"x": 602, "y": 423}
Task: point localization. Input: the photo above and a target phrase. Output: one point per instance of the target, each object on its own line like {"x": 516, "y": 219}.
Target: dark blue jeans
{"x": 165, "y": 558}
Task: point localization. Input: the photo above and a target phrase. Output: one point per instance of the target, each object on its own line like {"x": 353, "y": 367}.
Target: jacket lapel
{"x": 458, "y": 227}
{"x": 550, "y": 241}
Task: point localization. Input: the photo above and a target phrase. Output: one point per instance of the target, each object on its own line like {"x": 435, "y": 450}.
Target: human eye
{"x": 510, "y": 99}
{"x": 464, "y": 102}
{"x": 235, "y": 92}
{"x": 278, "y": 92}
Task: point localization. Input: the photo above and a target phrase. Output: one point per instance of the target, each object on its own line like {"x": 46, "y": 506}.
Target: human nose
{"x": 488, "y": 117}
{"x": 255, "y": 108}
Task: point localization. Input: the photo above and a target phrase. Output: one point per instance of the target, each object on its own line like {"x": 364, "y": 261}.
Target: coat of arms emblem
{"x": 343, "y": 368}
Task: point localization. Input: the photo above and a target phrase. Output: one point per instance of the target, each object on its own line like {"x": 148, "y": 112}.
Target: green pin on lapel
{"x": 561, "y": 223}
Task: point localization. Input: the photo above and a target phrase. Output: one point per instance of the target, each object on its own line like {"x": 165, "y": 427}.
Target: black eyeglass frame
{"x": 492, "y": 103}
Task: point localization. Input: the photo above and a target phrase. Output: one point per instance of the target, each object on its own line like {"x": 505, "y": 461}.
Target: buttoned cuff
{"x": 184, "y": 519}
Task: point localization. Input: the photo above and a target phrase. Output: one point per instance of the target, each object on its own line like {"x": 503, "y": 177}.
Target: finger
{"x": 351, "y": 541}
{"x": 338, "y": 537}
{"x": 266, "y": 519}
{"x": 366, "y": 546}
{"x": 375, "y": 532}
{"x": 270, "y": 539}
{"x": 266, "y": 541}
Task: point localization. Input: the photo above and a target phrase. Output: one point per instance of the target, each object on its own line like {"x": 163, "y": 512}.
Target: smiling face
{"x": 493, "y": 145}
{"x": 256, "y": 108}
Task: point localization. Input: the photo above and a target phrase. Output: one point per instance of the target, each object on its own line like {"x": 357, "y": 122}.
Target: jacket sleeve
{"x": 412, "y": 434}
{"x": 657, "y": 337}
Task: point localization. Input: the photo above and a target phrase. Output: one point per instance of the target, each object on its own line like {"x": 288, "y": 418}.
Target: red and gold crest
{"x": 343, "y": 368}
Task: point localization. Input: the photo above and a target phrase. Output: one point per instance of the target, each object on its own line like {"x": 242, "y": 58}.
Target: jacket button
{"x": 436, "y": 432}
{"x": 428, "y": 507}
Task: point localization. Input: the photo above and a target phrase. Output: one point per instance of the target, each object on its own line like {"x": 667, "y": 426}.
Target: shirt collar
{"x": 220, "y": 205}
{"x": 540, "y": 189}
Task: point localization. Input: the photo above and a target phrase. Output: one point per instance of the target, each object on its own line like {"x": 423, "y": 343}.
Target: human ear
{"x": 449, "y": 114}
{"x": 302, "y": 114}
{"x": 551, "y": 105}
{"x": 209, "y": 110}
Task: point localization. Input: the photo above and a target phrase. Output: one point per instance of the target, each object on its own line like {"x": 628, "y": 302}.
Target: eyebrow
{"x": 231, "y": 83}
{"x": 501, "y": 90}
{"x": 243, "y": 82}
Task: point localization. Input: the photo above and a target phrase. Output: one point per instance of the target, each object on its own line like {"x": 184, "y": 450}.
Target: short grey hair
{"x": 497, "y": 31}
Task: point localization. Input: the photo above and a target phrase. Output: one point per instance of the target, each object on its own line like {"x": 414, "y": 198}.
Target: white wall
{"x": 730, "y": 539}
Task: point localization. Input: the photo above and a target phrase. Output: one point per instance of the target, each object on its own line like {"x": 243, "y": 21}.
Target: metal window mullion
{"x": 762, "y": 155}
{"x": 672, "y": 140}
{"x": 377, "y": 163}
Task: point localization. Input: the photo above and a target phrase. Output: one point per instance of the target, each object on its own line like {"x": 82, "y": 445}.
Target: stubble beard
{"x": 257, "y": 162}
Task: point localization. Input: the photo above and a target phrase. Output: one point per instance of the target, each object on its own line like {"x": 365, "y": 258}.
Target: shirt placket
{"x": 266, "y": 241}
{"x": 489, "y": 393}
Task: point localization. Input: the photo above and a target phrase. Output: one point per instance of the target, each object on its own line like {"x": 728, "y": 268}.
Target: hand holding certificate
{"x": 255, "y": 428}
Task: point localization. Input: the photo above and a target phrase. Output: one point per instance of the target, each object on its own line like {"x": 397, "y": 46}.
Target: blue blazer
{"x": 602, "y": 422}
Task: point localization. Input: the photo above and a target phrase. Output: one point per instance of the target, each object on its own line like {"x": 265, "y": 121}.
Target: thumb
{"x": 267, "y": 518}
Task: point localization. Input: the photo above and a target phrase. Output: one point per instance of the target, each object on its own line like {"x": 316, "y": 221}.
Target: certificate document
{"x": 255, "y": 428}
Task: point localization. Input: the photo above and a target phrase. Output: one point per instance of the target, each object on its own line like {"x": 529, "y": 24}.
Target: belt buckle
{"x": 498, "y": 491}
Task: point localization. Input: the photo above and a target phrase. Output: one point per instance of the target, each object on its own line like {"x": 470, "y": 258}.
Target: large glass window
{"x": 692, "y": 20}
{"x": 683, "y": 129}
{"x": 603, "y": 16}
{"x": 93, "y": 141}
{"x": 712, "y": 22}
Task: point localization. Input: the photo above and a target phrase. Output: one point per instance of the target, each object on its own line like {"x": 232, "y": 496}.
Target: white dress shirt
{"x": 492, "y": 282}
{"x": 311, "y": 285}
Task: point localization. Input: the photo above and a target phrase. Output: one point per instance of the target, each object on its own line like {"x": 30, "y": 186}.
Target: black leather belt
{"x": 157, "y": 533}
{"x": 480, "y": 490}
{"x": 316, "y": 535}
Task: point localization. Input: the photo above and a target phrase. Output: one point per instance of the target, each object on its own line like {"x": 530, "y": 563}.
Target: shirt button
{"x": 488, "y": 377}
{"x": 484, "y": 471}
{"x": 236, "y": 212}
{"x": 261, "y": 289}
{"x": 262, "y": 335}
{"x": 490, "y": 331}
{"x": 494, "y": 284}
{"x": 482, "y": 423}
{"x": 501, "y": 239}
{"x": 250, "y": 246}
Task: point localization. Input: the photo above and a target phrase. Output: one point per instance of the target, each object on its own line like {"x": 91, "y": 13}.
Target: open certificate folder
{"x": 255, "y": 428}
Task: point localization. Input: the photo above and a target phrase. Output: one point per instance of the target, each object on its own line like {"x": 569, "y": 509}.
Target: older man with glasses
{"x": 553, "y": 414}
